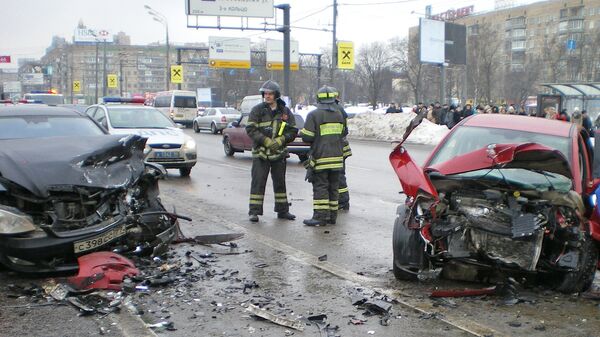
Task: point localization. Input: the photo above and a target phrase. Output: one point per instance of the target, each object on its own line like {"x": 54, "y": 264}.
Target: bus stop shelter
{"x": 585, "y": 96}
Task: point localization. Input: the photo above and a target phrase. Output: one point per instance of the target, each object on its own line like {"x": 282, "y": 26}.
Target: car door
{"x": 100, "y": 117}
{"x": 203, "y": 120}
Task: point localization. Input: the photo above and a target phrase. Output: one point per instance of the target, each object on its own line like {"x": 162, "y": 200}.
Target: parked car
{"x": 68, "y": 188}
{"x": 215, "y": 119}
{"x": 235, "y": 139}
{"x": 167, "y": 144}
{"x": 505, "y": 193}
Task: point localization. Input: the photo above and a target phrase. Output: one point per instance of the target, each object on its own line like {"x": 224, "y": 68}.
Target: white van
{"x": 178, "y": 105}
{"x": 249, "y": 102}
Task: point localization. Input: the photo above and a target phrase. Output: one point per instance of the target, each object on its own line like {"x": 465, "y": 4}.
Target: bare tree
{"x": 373, "y": 67}
{"x": 405, "y": 60}
{"x": 483, "y": 62}
{"x": 520, "y": 83}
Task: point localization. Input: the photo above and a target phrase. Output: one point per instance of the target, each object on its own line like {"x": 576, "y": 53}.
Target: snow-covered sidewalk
{"x": 391, "y": 127}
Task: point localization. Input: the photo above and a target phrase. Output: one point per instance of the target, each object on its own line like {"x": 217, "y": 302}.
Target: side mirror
{"x": 180, "y": 126}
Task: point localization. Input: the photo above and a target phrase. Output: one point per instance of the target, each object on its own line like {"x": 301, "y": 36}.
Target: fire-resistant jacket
{"x": 325, "y": 129}
{"x": 346, "y": 144}
{"x": 264, "y": 122}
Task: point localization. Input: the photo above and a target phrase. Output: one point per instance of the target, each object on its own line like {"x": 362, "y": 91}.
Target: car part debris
{"x": 169, "y": 326}
{"x": 102, "y": 270}
{"x": 317, "y": 318}
{"x": 377, "y": 307}
{"x": 323, "y": 257}
{"x": 294, "y": 324}
{"x": 463, "y": 292}
{"x": 210, "y": 238}
{"x": 357, "y": 321}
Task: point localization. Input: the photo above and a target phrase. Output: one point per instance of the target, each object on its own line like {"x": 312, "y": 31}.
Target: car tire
{"x": 407, "y": 245}
{"x": 581, "y": 279}
{"x": 185, "y": 171}
{"x": 227, "y": 148}
{"x": 196, "y": 128}
{"x": 213, "y": 129}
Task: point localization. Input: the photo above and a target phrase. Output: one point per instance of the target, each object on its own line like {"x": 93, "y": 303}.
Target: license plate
{"x": 179, "y": 115}
{"x": 166, "y": 154}
{"x": 95, "y": 242}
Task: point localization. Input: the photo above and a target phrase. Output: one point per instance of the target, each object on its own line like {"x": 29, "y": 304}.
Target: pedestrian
{"x": 563, "y": 116}
{"x": 450, "y": 117}
{"x": 271, "y": 126}
{"x": 495, "y": 110}
{"x": 392, "y": 109}
{"x": 343, "y": 191}
{"x": 587, "y": 122}
{"x": 437, "y": 112}
{"x": 325, "y": 129}
{"x": 467, "y": 111}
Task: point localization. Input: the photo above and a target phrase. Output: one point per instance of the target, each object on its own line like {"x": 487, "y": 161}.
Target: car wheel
{"x": 196, "y": 128}
{"x": 408, "y": 246}
{"x": 581, "y": 279}
{"x": 213, "y": 129}
{"x": 303, "y": 157}
{"x": 185, "y": 171}
{"x": 227, "y": 147}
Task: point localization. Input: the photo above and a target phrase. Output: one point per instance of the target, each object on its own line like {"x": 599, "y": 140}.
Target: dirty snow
{"x": 378, "y": 126}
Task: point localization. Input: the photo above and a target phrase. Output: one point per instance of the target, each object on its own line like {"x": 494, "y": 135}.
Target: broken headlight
{"x": 13, "y": 222}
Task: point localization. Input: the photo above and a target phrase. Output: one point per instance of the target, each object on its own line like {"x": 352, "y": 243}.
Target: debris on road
{"x": 294, "y": 324}
{"x": 323, "y": 258}
{"x": 210, "y": 238}
{"x": 102, "y": 270}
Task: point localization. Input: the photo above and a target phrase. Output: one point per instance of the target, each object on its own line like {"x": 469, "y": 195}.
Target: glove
{"x": 280, "y": 140}
{"x": 268, "y": 142}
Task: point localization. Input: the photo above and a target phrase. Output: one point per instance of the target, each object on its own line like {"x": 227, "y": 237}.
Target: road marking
{"x": 359, "y": 168}
{"x": 449, "y": 316}
{"x": 233, "y": 166}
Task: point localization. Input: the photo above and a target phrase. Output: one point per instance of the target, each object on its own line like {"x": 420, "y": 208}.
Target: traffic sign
{"x": 76, "y": 86}
{"x": 345, "y": 55}
{"x": 176, "y": 74}
{"x": 112, "y": 81}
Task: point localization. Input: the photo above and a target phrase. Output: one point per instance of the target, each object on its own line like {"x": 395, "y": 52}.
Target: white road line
{"x": 359, "y": 168}
{"x": 235, "y": 167}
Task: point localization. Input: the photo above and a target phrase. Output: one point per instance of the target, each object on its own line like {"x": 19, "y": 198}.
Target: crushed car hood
{"x": 531, "y": 156}
{"x": 155, "y": 136}
{"x": 43, "y": 165}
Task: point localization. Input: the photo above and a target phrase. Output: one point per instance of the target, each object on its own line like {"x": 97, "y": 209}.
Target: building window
{"x": 563, "y": 13}
{"x": 518, "y": 45}
{"x": 563, "y": 26}
{"x": 575, "y": 24}
{"x": 518, "y": 33}
{"x": 577, "y": 11}
{"x": 473, "y": 30}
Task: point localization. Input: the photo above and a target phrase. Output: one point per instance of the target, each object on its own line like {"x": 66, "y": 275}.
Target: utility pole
{"x": 121, "y": 76}
{"x": 104, "y": 80}
{"x": 178, "y": 63}
{"x": 334, "y": 43}
{"x": 286, "y": 47}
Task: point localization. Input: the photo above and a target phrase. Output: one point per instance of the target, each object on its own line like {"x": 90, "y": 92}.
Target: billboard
{"x": 275, "y": 55}
{"x": 238, "y": 8}
{"x": 345, "y": 55}
{"x": 442, "y": 42}
{"x": 228, "y": 52}
{"x": 87, "y": 35}
{"x": 431, "y": 41}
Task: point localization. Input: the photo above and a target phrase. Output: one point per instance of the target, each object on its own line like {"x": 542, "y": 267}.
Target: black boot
{"x": 286, "y": 215}
{"x": 253, "y": 218}
{"x": 313, "y": 222}
{"x": 344, "y": 207}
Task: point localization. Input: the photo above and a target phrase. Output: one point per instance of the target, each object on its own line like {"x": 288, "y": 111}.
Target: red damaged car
{"x": 501, "y": 194}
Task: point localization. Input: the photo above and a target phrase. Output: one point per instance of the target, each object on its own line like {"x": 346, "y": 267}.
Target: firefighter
{"x": 344, "y": 194}
{"x": 325, "y": 129}
{"x": 271, "y": 125}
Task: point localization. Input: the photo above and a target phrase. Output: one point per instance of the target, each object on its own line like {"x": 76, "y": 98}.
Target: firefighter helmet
{"x": 270, "y": 86}
{"x": 327, "y": 94}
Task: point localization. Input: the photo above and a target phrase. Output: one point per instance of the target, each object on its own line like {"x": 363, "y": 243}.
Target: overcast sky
{"x": 27, "y": 26}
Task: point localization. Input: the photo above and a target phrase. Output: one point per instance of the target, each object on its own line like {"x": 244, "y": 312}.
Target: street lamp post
{"x": 162, "y": 19}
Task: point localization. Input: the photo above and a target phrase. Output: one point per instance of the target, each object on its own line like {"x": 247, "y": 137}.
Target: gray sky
{"x": 27, "y": 26}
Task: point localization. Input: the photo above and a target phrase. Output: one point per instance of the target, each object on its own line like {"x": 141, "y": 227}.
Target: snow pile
{"x": 392, "y": 126}
{"x": 357, "y": 110}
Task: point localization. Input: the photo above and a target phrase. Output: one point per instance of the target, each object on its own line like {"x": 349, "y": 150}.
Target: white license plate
{"x": 95, "y": 242}
{"x": 166, "y": 154}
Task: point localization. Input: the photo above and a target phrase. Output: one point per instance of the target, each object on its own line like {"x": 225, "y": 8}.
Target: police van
{"x": 179, "y": 105}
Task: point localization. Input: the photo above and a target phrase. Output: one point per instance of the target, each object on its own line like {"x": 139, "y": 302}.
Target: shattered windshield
{"x": 123, "y": 118}
{"x": 468, "y": 139}
{"x": 521, "y": 178}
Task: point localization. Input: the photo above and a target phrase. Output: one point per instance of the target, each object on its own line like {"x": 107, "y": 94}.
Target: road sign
{"x": 4, "y": 58}
{"x": 76, "y": 86}
{"x": 176, "y": 74}
{"x": 239, "y": 8}
{"x": 345, "y": 55}
{"x": 275, "y": 55}
{"x": 112, "y": 81}
{"x": 571, "y": 44}
{"x": 228, "y": 52}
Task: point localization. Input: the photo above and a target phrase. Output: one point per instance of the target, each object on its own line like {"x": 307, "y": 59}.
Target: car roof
{"x": 521, "y": 123}
{"x": 127, "y": 106}
{"x": 37, "y": 110}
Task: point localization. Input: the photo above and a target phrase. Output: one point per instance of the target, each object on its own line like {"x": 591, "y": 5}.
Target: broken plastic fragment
{"x": 274, "y": 318}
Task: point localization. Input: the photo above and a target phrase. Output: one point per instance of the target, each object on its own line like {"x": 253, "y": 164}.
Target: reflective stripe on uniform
{"x": 264, "y": 124}
{"x": 307, "y": 132}
{"x": 333, "y": 205}
{"x": 281, "y": 200}
{"x": 321, "y": 204}
{"x": 329, "y": 160}
{"x": 256, "y": 202}
{"x": 257, "y": 196}
{"x": 281, "y": 197}
{"x": 343, "y": 190}
{"x": 327, "y": 95}
{"x": 329, "y": 166}
{"x": 331, "y": 129}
